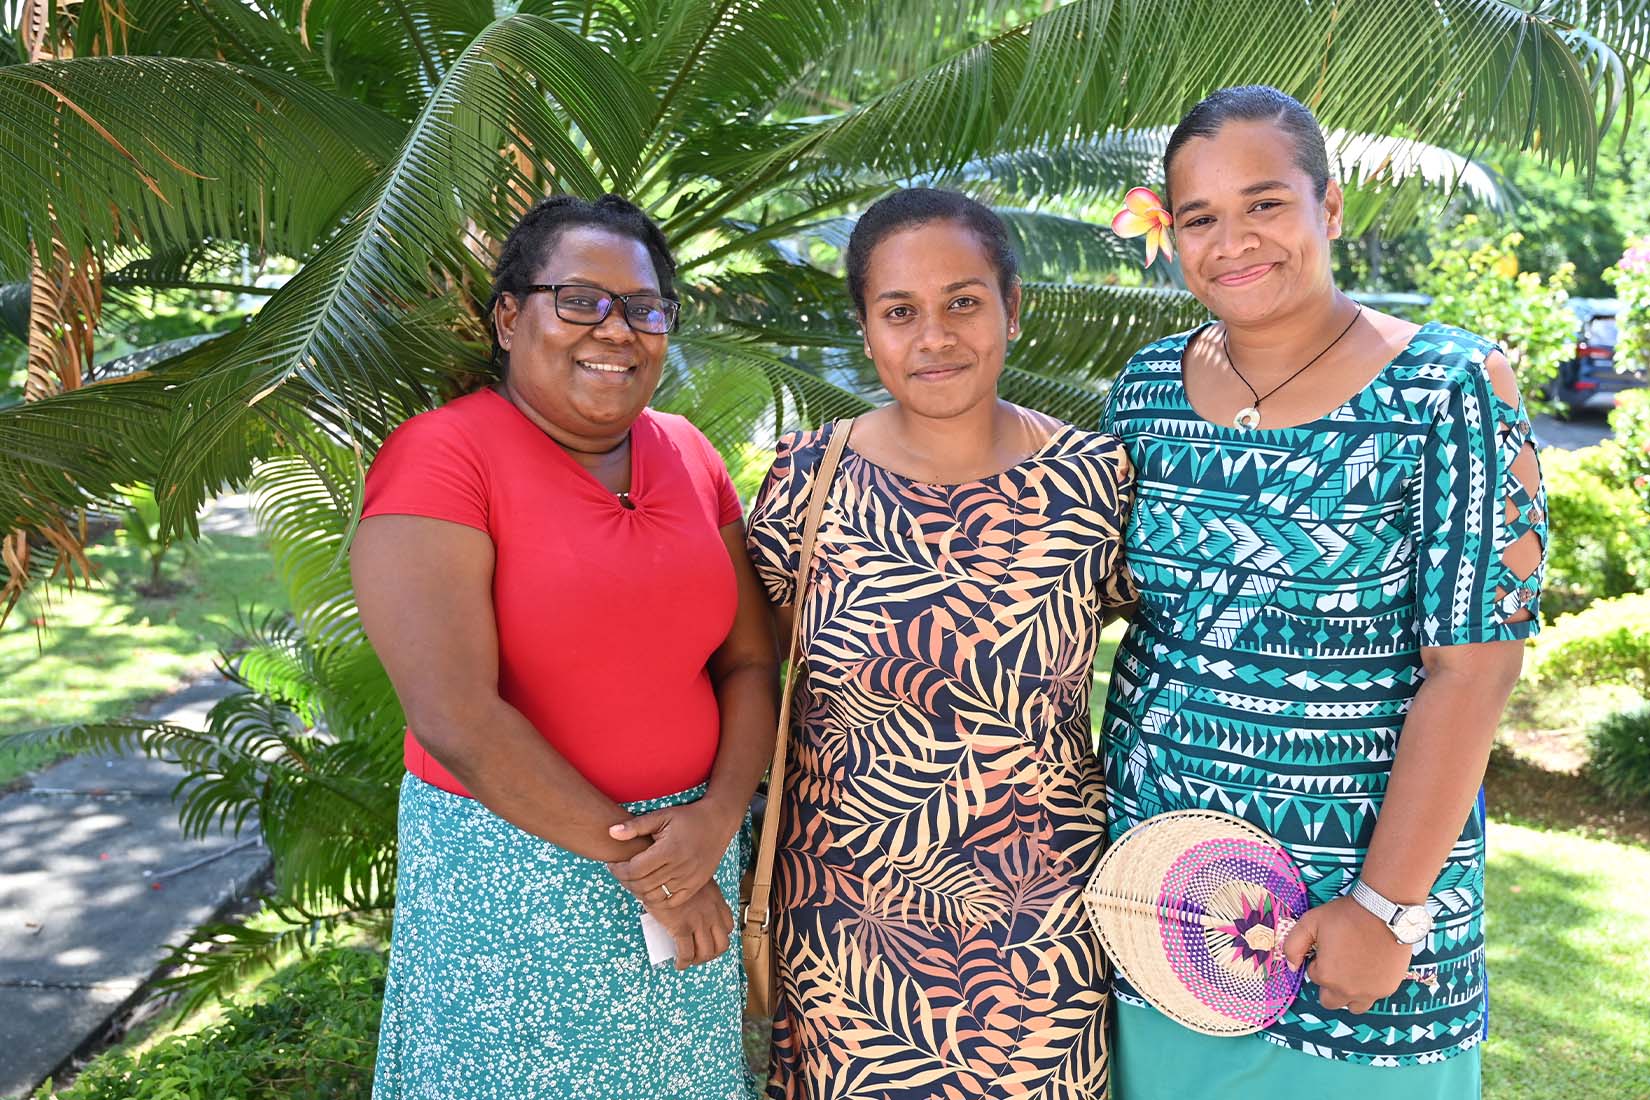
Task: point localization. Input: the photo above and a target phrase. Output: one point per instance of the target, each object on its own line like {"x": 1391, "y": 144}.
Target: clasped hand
{"x": 1358, "y": 960}
{"x": 688, "y": 842}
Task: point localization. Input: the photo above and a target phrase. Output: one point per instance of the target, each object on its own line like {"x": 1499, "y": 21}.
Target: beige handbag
{"x": 757, "y": 896}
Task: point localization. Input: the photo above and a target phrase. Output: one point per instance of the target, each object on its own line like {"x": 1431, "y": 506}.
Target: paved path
{"x": 96, "y": 880}
{"x": 1580, "y": 430}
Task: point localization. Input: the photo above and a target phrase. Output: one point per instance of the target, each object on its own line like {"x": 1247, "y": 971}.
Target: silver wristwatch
{"x": 1410, "y": 924}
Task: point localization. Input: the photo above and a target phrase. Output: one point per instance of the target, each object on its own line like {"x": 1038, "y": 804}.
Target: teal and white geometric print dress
{"x": 1288, "y": 579}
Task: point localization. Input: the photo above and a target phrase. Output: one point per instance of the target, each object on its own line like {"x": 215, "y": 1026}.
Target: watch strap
{"x": 1391, "y": 913}
{"x": 1368, "y": 897}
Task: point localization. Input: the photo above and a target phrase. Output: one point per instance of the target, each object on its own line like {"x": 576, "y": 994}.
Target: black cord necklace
{"x": 1248, "y": 417}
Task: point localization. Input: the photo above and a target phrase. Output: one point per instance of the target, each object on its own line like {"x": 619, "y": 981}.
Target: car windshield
{"x": 1600, "y": 330}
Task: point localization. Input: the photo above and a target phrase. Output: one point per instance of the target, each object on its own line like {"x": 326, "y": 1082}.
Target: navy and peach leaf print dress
{"x": 943, "y": 805}
{"x": 1289, "y": 579}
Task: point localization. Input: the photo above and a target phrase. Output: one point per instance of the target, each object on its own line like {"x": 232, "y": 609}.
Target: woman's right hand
{"x": 702, "y": 928}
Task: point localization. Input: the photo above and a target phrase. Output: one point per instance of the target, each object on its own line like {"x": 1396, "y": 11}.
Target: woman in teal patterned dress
{"x": 1337, "y": 538}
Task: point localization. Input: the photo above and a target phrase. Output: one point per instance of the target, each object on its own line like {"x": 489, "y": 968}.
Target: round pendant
{"x": 1247, "y": 418}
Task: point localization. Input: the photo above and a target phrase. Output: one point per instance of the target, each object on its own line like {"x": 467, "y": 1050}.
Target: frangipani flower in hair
{"x": 1143, "y": 213}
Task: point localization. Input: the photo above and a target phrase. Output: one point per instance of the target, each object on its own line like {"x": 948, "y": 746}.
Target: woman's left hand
{"x": 1358, "y": 959}
{"x": 688, "y": 843}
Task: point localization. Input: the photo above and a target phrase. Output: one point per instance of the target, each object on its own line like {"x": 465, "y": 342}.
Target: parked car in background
{"x": 1591, "y": 380}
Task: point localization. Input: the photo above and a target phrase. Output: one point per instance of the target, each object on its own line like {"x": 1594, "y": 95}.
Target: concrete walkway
{"x": 1581, "y": 430}
{"x": 96, "y": 881}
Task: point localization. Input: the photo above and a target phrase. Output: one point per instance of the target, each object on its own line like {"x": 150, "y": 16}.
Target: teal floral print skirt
{"x": 518, "y": 971}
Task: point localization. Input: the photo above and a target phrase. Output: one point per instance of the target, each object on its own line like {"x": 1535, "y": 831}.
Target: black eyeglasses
{"x": 580, "y": 304}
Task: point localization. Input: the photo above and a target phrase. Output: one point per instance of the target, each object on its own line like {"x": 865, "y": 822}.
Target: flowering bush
{"x": 1630, "y": 450}
{"x": 1631, "y": 276}
{"x": 1608, "y": 643}
{"x": 1600, "y": 542}
{"x": 1475, "y": 283}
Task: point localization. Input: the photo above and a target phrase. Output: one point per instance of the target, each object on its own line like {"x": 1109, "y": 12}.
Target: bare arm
{"x": 424, "y": 587}
{"x": 1440, "y": 765}
{"x": 1436, "y": 773}
{"x": 690, "y": 839}
{"x": 1451, "y": 725}
{"x": 746, "y": 673}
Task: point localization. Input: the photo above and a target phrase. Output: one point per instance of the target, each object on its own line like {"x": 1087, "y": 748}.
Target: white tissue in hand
{"x": 661, "y": 945}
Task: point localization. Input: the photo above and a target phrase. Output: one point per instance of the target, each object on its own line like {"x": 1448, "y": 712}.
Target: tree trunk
{"x": 65, "y": 301}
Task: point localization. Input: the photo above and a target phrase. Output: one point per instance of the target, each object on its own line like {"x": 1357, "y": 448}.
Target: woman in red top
{"x": 555, "y": 579}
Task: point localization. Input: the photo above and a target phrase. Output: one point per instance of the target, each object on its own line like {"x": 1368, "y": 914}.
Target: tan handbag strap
{"x": 756, "y": 913}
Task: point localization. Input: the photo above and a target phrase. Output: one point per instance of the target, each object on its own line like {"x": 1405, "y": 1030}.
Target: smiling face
{"x": 936, "y": 321}
{"x": 585, "y": 382}
{"x": 1253, "y": 235}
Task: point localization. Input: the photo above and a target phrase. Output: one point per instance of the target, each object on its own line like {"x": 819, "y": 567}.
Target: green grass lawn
{"x": 100, "y": 652}
{"x": 1569, "y": 959}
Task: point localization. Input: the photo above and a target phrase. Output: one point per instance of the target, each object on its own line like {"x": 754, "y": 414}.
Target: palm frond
{"x": 223, "y": 30}
{"x": 889, "y": 43}
{"x": 388, "y": 55}
{"x": 273, "y": 660}
{"x": 74, "y": 450}
{"x": 1463, "y": 74}
{"x": 353, "y": 335}
{"x": 737, "y": 390}
{"x": 65, "y": 302}
{"x": 304, "y": 503}
{"x": 786, "y": 301}
{"x": 1086, "y": 333}
{"x": 1072, "y": 172}
{"x": 174, "y": 151}
{"x": 1053, "y": 247}
{"x": 389, "y": 52}
{"x": 719, "y": 59}
{"x": 128, "y": 284}
{"x": 223, "y": 957}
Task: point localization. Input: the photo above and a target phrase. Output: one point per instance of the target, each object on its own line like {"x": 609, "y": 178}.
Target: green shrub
{"x": 1630, "y": 427}
{"x": 1609, "y": 643}
{"x": 1474, "y": 282}
{"x": 1618, "y": 754}
{"x": 141, "y": 529}
{"x": 1599, "y": 545}
{"x": 1631, "y": 275}
{"x": 313, "y": 1036}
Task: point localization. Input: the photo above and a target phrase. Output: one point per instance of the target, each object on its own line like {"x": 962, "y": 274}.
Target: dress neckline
{"x": 1059, "y": 431}
{"x": 1180, "y": 378}
{"x": 623, "y": 501}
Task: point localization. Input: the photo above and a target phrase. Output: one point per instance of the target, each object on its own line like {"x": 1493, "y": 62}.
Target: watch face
{"x": 1412, "y": 924}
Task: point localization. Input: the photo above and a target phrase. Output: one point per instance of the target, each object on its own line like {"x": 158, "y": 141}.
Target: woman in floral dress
{"x": 943, "y": 807}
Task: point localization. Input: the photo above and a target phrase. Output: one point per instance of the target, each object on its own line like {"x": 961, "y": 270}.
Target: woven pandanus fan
{"x": 1193, "y": 908}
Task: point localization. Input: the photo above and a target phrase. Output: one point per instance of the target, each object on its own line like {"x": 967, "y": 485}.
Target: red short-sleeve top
{"x": 607, "y": 613}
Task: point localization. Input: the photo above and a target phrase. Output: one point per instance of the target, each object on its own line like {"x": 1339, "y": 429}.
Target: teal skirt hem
{"x": 1155, "y": 1058}
{"x": 518, "y": 971}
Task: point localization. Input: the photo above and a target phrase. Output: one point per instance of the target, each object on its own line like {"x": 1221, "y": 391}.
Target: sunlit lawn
{"x": 99, "y": 653}
{"x": 1569, "y": 958}
{"x": 1568, "y": 931}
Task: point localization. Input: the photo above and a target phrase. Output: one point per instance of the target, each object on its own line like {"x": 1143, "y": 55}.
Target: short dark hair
{"x": 536, "y": 234}
{"x": 1256, "y": 103}
{"x": 914, "y": 206}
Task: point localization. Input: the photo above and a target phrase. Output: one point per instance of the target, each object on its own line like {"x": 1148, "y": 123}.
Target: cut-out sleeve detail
{"x": 1482, "y": 531}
